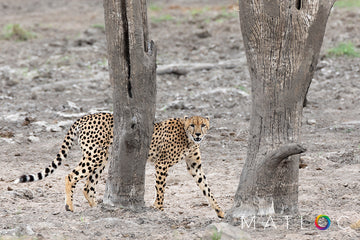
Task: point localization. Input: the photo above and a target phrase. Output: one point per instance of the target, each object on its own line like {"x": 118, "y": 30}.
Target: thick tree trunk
{"x": 132, "y": 64}
{"x": 282, "y": 41}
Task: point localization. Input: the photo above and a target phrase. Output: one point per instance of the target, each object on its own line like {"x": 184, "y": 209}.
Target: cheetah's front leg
{"x": 193, "y": 162}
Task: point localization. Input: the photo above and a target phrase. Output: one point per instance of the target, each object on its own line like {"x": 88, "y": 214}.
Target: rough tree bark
{"x": 132, "y": 65}
{"x": 282, "y": 41}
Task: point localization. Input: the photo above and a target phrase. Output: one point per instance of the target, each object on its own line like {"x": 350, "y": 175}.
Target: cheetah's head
{"x": 196, "y": 128}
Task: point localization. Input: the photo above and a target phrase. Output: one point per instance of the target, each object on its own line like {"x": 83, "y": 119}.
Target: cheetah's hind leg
{"x": 92, "y": 180}
{"x": 70, "y": 183}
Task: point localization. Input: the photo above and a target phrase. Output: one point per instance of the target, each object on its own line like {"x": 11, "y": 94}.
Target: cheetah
{"x": 173, "y": 140}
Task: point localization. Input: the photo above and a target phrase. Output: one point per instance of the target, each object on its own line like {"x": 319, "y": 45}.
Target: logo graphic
{"x": 325, "y": 218}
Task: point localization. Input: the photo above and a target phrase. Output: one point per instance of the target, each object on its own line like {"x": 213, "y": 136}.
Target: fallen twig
{"x": 185, "y": 68}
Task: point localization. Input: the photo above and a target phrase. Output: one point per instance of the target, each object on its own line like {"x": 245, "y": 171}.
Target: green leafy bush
{"x": 343, "y": 49}
{"x": 17, "y": 33}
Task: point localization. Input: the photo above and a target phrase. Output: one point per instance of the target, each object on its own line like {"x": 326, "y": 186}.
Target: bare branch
{"x": 272, "y": 160}
{"x": 185, "y": 68}
{"x": 284, "y": 151}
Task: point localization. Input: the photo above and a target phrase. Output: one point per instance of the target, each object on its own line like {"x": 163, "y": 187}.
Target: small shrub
{"x": 199, "y": 11}
{"x": 226, "y": 14}
{"x": 99, "y": 26}
{"x": 343, "y": 49}
{"x": 17, "y": 33}
{"x": 154, "y": 7}
{"x": 162, "y": 18}
{"x": 242, "y": 88}
{"x": 216, "y": 235}
{"x": 347, "y": 3}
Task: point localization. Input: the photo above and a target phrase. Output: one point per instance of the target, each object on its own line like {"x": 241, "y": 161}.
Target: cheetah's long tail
{"x": 65, "y": 148}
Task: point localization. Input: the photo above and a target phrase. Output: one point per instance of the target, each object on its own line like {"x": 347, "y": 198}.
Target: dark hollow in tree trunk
{"x": 132, "y": 66}
{"x": 282, "y": 41}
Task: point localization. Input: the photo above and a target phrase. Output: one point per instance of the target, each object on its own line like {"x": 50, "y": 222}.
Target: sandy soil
{"x": 48, "y": 82}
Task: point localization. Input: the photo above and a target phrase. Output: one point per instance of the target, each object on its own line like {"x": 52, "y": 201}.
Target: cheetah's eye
{"x": 203, "y": 125}
{"x": 192, "y": 125}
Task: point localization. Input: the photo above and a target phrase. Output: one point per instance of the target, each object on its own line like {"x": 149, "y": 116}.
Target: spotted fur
{"x": 173, "y": 140}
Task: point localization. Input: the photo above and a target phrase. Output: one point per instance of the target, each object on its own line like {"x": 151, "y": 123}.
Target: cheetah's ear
{"x": 186, "y": 117}
{"x": 208, "y": 118}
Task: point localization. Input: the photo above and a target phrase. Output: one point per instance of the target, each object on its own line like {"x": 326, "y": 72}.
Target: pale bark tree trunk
{"x": 132, "y": 65}
{"x": 282, "y": 41}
